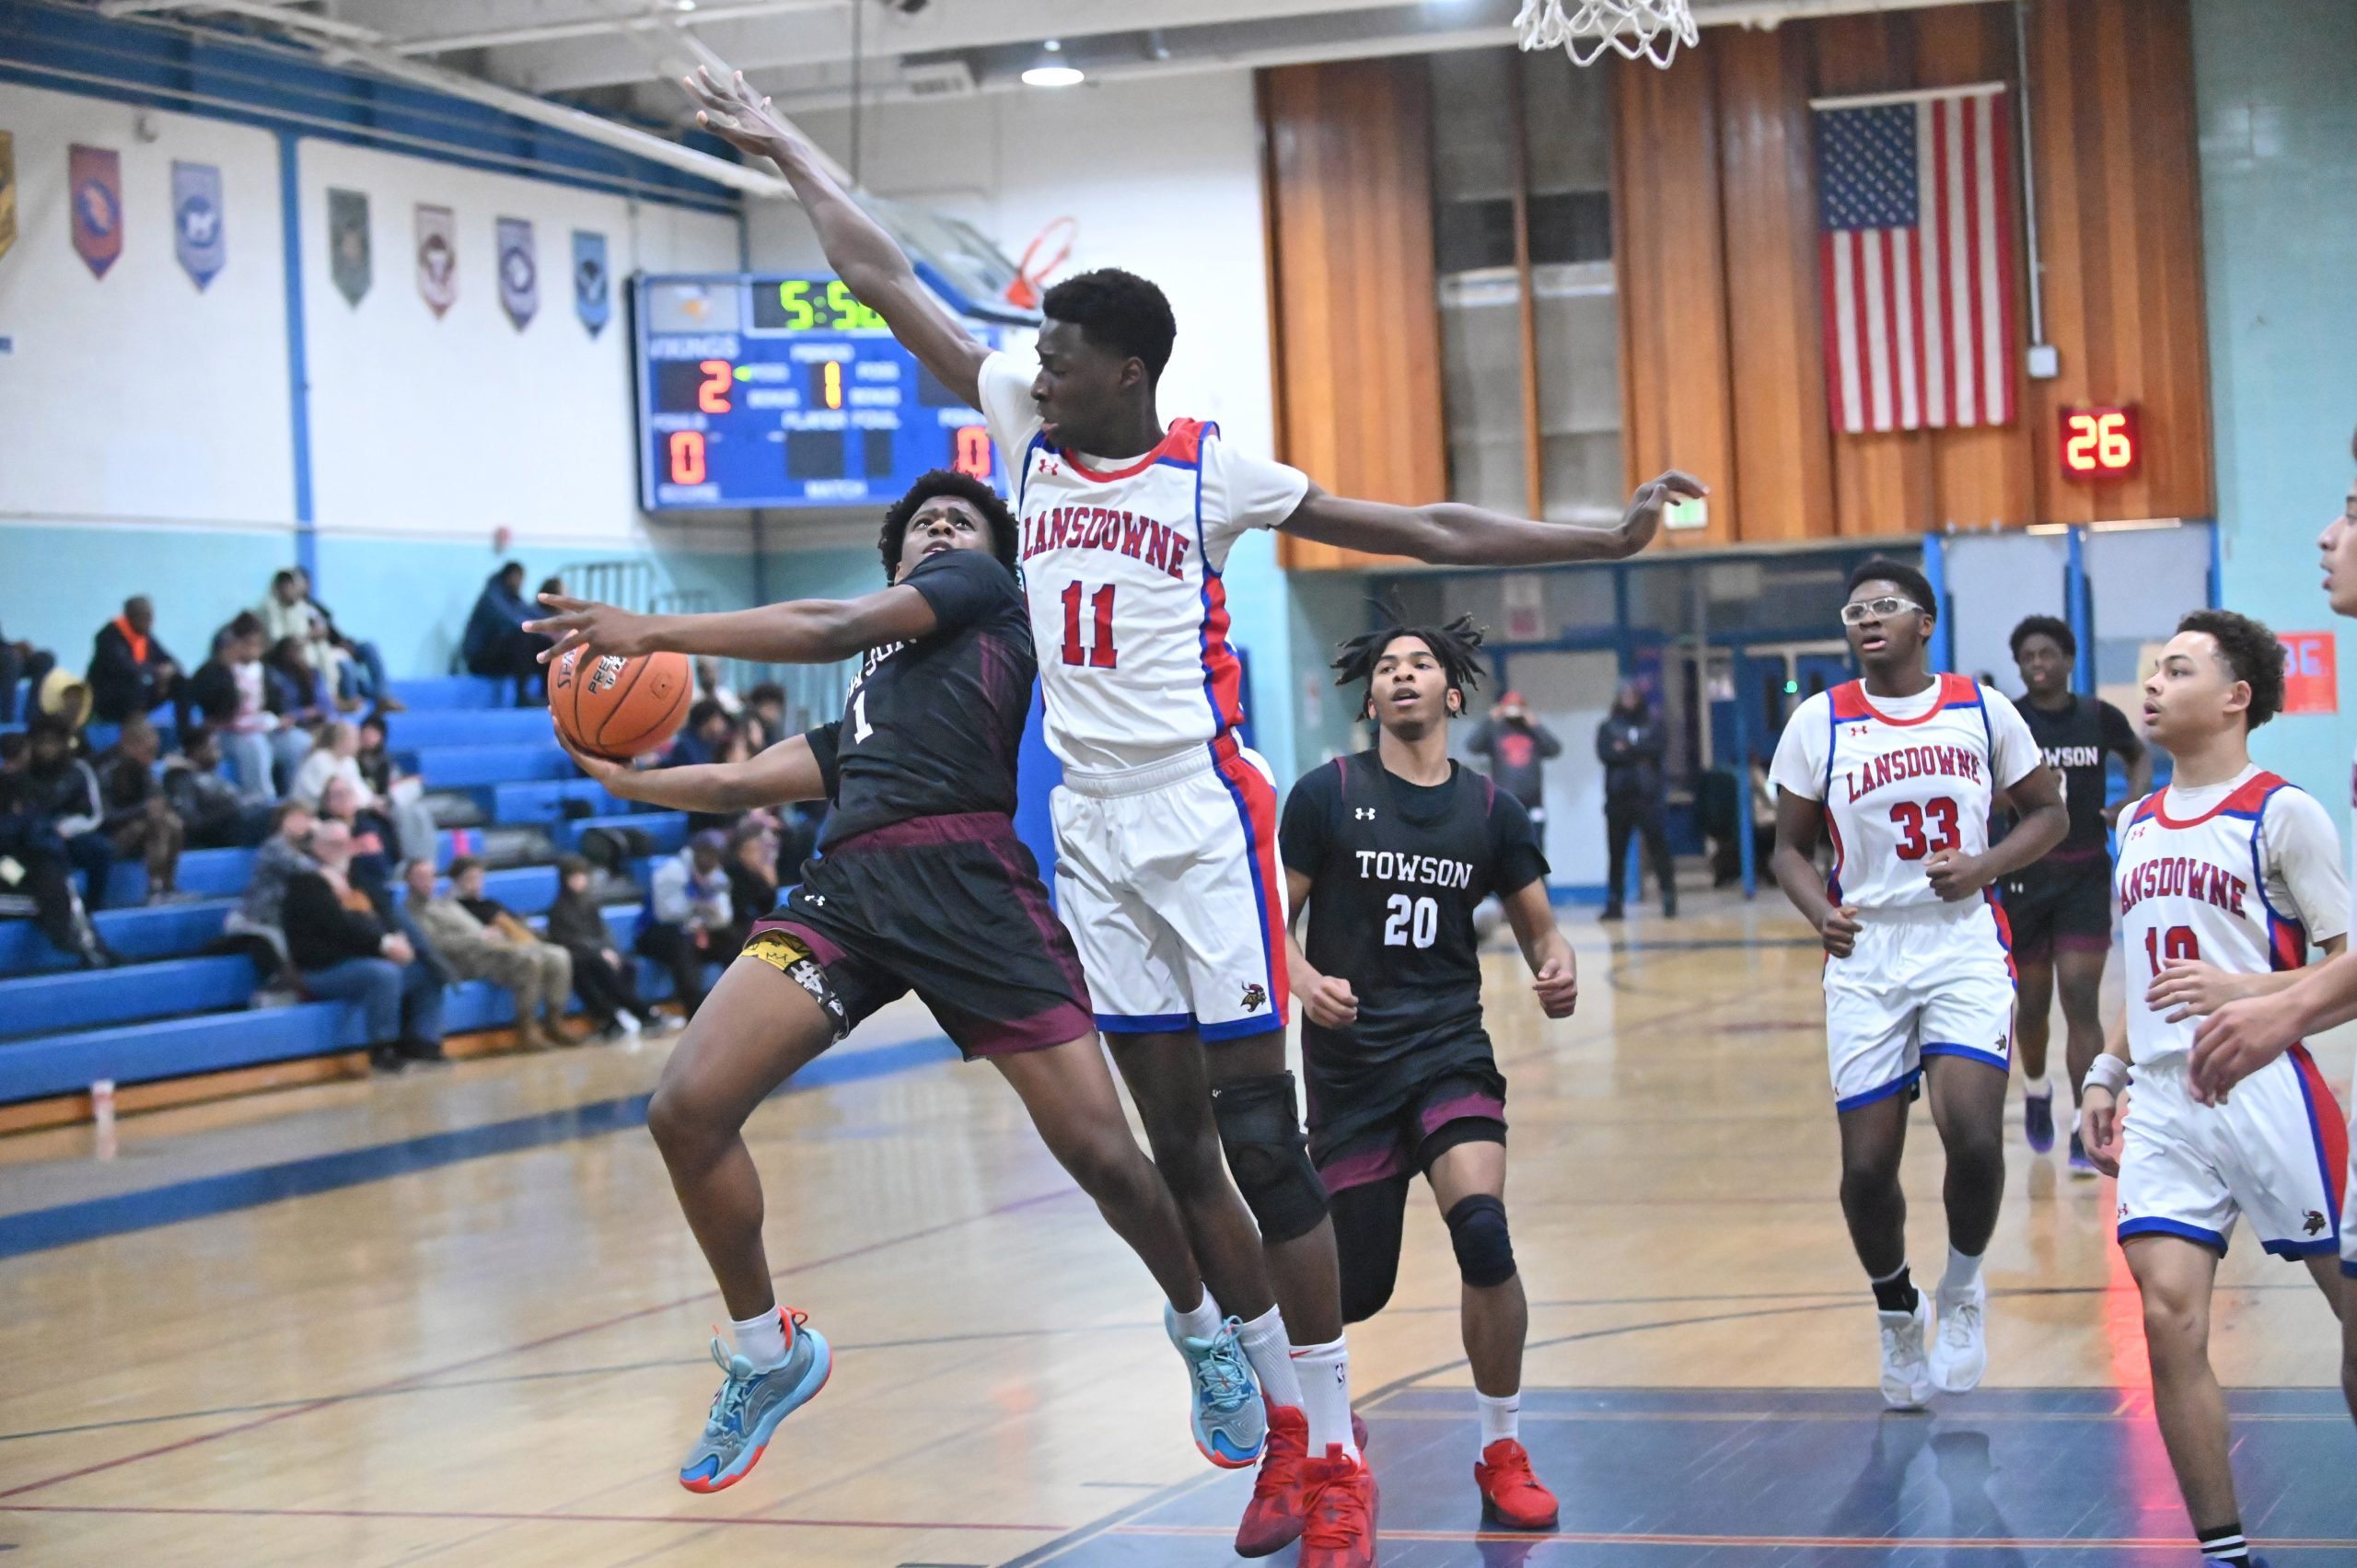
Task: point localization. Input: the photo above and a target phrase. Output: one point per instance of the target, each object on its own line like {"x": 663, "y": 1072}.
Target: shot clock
{"x": 785, "y": 391}
{"x": 2101, "y": 444}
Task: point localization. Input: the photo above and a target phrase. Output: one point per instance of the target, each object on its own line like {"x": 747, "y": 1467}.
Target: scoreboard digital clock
{"x": 784, "y": 392}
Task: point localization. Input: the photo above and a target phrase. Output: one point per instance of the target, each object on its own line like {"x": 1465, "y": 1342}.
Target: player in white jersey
{"x": 1902, "y": 768}
{"x": 2223, "y": 880}
{"x": 1166, "y": 829}
{"x": 2243, "y": 1037}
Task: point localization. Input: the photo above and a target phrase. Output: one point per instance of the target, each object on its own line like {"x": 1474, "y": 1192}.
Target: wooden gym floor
{"x": 456, "y": 1318}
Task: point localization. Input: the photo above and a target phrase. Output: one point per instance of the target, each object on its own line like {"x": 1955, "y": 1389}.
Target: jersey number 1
{"x": 1101, "y": 654}
{"x": 2178, "y": 944}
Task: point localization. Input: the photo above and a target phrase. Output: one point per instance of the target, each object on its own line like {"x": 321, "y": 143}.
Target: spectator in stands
{"x": 130, "y": 671}
{"x": 482, "y": 938}
{"x": 346, "y": 951}
{"x": 21, "y": 661}
{"x": 214, "y": 813}
{"x": 284, "y": 855}
{"x": 605, "y": 981}
{"x": 299, "y": 693}
{"x": 66, "y": 695}
{"x": 705, "y": 738}
{"x": 688, "y": 916}
{"x": 33, "y": 863}
{"x": 376, "y": 846}
{"x": 764, "y": 718}
{"x": 336, "y": 754}
{"x": 1516, "y": 747}
{"x": 139, "y": 817}
{"x": 231, "y": 692}
{"x": 710, "y": 688}
{"x": 495, "y": 642}
{"x": 752, "y": 866}
{"x": 65, "y": 789}
{"x": 361, "y": 656}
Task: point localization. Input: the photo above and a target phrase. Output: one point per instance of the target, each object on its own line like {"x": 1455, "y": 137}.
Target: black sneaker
{"x": 387, "y": 1058}
{"x": 1611, "y": 911}
{"x": 422, "y": 1051}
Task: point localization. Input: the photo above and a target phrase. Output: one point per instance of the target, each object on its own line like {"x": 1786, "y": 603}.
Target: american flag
{"x": 1915, "y": 203}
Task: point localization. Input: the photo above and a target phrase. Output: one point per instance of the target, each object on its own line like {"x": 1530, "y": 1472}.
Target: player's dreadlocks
{"x": 1457, "y": 647}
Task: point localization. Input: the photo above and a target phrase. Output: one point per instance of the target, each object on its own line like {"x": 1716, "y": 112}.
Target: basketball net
{"x": 1637, "y": 29}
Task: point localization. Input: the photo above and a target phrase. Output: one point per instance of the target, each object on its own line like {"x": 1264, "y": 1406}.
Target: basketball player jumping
{"x": 2244, "y": 1037}
{"x": 2224, "y": 880}
{"x": 1902, "y": 768}
{"x": 921, "y": 885}
{"x": 1166, "y": 829}
{"x": 1393, "y": 849}
{"x": 2060, "y": 907}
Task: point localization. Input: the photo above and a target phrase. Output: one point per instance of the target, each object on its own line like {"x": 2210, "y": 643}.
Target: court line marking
{"x": 1841, "y": 1543}
{"x": 543, "y": 1342}
{"x": 202, "y": 1197}
{"x": 500, "y": 1516}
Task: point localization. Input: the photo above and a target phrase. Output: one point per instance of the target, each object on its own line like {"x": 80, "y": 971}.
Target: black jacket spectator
{"x": 1631, "y": 744}
{"x": 20, "y": 662}
{"x": 321, "y": 931}
{"x": 131, "y": 672}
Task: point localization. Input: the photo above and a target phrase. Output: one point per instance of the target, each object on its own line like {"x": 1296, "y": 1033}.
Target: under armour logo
{"x": 818, "y": 899}
{"x": 1856, "y": 730}
{"x": 1364, "y": 813}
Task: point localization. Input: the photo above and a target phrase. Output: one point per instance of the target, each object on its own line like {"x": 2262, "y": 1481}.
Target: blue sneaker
{"x": 2038, "y": 1120}
{"x": 2081, "y": 1166}
{"x": 745, "y": 1411}
{"x": 1231, "y": 1423}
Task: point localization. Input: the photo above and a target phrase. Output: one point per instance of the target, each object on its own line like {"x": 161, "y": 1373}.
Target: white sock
{"x": 760, "y": 1339}
{"x": 1325, "y": 1374}
{"x": 1200, "y": 1323}
{"x": 1963, "y": 1274}
{"x": 1501, "y": 1418}
{"x": 1271, "y": 1353}
{"x": 2037, "y": 1089}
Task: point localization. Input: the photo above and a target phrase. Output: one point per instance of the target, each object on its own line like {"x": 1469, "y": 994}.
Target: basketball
{"x": 616, "y": 707}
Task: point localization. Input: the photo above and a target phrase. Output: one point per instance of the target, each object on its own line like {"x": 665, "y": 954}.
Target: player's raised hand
{"x": 1330, "y": 1003}
{"x": 1643, "y": 520}
{"x": 1956, "y": 875}
{"x": 1558, "y": 985}
{"x": 2192, "y": 988}
{"x": 597, "y": 628}
{"x": 2235, "y": 1041}
{"x": 727, "y": 105}
{"x": 2102, "y": 1116}
{"x": 1839, "y": 930}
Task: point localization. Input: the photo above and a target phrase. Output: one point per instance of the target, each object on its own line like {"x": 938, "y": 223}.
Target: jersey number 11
{"x": 1101, "y": 654}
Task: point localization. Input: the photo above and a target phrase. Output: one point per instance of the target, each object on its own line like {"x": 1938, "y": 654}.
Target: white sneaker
{"x": 1961, "y": 1352}
{"x": 627, "y": 1021}
{"x": 1906, "y": 1375}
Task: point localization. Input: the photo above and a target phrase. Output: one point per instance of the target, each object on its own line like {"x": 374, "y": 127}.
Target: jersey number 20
{"x": 1417, "y": 920}
{"x": 1914, "y": 843}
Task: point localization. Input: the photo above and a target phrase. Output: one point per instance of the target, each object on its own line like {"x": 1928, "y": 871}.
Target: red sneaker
{"x": 1510, "y": 1496}
{"x": 1273, "y": 1519}
{"x": 1340, "y": 1532}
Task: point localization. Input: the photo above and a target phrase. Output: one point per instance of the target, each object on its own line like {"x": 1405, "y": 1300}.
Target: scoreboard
{"x": 785, "y": 391}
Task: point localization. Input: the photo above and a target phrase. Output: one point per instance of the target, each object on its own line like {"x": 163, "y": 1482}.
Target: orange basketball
{"x": 619, "y": 708}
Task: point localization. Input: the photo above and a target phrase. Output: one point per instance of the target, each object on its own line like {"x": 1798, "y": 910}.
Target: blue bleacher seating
{"x": 467, "y": 726}
{"x": 136, "y": 933}
{"x": 209, "y": 873}
{"x": 464, "y": 767}
{"x": 81, "y": 999}
{"x": 442, "y": 691}
{"x": 666, "y": 832}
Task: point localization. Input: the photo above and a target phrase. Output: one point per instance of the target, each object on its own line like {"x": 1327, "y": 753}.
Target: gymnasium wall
{"x": 2279, "y": 189}
{"x": 1162, "y": 177}
{"x": 146, "y": 425}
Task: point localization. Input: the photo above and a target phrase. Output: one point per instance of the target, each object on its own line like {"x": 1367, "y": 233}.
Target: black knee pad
{"x": 1261, "y": 1128}
{"x": 1477, "y": 1229}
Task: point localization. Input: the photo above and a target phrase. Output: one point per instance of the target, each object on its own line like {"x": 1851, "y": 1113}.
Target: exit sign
{"x": 2101, "y": 444}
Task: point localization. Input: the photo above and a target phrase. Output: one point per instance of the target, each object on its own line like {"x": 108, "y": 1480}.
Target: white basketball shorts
{"x": 1923, "y": 980}
{"x": 2276, "y": 1152}
{"x": 1166, "y": 875}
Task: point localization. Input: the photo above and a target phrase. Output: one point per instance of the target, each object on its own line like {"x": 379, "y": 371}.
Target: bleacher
{"x": 494, "y": 774}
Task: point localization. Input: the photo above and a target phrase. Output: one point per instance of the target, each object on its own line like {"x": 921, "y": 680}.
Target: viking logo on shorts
{"x": 1254, "y": 998}
{"x": 609, "y": 671}
{"x": 2316, "y": 1222}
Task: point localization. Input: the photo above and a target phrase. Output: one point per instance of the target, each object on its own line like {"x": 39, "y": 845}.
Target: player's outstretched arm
{"x": 1451, "y": 535}
{"x": 787, "y": 770}
{"x": 806, "y": 630}
{"x": 1794, "y": 864}
{"x": 864, "y": 255}
{"x": 2243, "y": 1035}
{"x": 1554, "y": 971}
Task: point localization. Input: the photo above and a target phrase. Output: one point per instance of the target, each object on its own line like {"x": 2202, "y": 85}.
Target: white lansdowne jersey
{"x": 1121, "y": 567}
{"x": 2242, "y": 878}
{"x": 1900, "y": 781}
